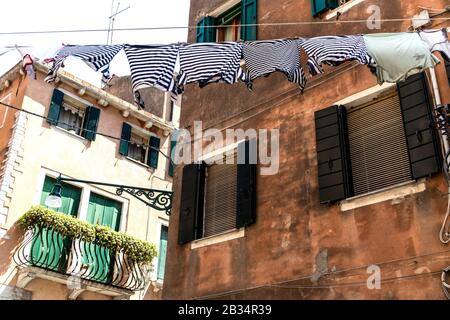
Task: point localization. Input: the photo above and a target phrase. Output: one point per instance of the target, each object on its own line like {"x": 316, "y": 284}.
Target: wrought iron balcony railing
{"x": 47, "y": 249}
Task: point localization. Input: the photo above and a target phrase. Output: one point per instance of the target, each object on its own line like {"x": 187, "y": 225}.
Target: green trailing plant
{"x": 136, "y": 250}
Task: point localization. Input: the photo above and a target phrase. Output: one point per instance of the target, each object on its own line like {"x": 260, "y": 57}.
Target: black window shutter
{"x": 246, "y": 188}
{"x": 153, "y": 152}
{"x": 125, "y": 138}
{"x": 55, "y": 107}
{"x": 191, "y": 207}
{"x": 424, "y": 151}
{"x": 90, "y": 124}
{"x": 333, "y": 156}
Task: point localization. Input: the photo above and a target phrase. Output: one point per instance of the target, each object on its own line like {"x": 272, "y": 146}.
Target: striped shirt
{"x": 210, "y": 62}
{"x": 152, "y": 66}
{"x": 334, "y": 50}
{"x": 265, "y": 57}
{"x": 98, "y": 57}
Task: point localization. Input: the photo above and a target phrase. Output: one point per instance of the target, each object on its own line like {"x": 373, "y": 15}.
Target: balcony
{"x": 66, "y": 250}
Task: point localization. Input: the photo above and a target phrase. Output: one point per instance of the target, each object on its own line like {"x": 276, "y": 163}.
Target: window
{"x": 172, "y": 105}
{"x": 379, "y": 144}
{"x": 217, "y": 198}
{"x": 139, "y": 146}
{"x": 224, "y": 25}
{"x": 162, "y": 252}
{"x": 321, "y": 6}
{"x": 73, "y": 115}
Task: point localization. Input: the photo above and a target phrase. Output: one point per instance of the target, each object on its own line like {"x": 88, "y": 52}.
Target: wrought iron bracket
{"x": 157, "y": 199}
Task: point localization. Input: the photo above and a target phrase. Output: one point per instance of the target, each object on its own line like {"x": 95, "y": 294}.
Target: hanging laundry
{"x": 398, "y": 55}
{"x": 207, "y": 63}
{"x": 27, "y": 65}
{"x": 152, "y": 66}
{"x": 437, "y": 40}
{"x": 98, "y": 57}
{"x": 334, "y": 50}
{"x": 267, "y": 56}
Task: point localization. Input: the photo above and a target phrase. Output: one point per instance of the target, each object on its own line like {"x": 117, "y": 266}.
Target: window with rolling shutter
{"x": 378, "y": 150}
{"x": 220, "y": 199}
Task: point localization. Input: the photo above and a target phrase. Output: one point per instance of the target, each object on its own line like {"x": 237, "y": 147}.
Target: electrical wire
{"x": 85, "y": 130}
{"x": 236, "y": 25}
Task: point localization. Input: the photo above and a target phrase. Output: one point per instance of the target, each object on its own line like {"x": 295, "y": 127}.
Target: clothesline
{"x": 237, "y": 25}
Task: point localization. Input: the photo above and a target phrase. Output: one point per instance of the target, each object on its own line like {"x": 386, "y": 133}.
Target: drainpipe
{"x": 444, "y": 236}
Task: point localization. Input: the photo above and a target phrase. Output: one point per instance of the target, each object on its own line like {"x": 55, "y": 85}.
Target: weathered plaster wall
{"x": 292, "y": 228}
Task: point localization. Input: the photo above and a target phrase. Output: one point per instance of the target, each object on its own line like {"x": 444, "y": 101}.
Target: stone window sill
{"x": 223, "y": 237}
{"x": 70, "y": 133}
{"x": 140, "y": 164}
{"x": 395, "y": 193}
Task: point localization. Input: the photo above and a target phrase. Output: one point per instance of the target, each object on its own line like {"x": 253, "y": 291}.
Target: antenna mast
{"x": 112, "y": 18}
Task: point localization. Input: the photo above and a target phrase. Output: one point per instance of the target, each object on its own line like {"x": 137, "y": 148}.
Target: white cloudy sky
{"x": 88, "y": 14}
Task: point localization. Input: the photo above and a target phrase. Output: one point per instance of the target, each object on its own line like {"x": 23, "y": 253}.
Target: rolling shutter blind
{"x": 334, "y": 170}
{"x": 379, "y": 155}
{"x": 55, "y": 107}
{"x": 91, "y": 119}
{"x": 191, "y": 207}
{"x": 248, "y": 17}
{"x": 220, "y": 199}
{"x": 421, "y": 136}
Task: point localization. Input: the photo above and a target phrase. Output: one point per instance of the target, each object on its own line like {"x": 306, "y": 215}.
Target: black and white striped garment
{"x": 152, "y": 66}
{"x": 210, "y": 62}
{"x": 98, "y": 57}
{"x": 334, "y": 50}
{"x": 267, "y": 56}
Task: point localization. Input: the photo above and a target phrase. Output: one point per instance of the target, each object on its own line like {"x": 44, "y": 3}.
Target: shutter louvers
{"x": 421, "y": 136}
{"x": 153, "y": 152}
{"x": 191, "y": 207}
{"x": 90, "y": 124}
{"x": 205, "y": 32}
{"x": 125, "y": 139}
{"x": 249, "y": 18}
{"x": 246, "y": 187}
{"x": 333, "y": 158}
{"x": 173, "y": 144}
{"x": 55, "y": 107}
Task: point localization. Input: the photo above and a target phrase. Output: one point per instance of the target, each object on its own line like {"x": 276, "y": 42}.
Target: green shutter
{"x": 91, "y": 122}
{"x": 173, "y": 144}
{"x": 204, "y": 31}
{"x": 248, "y": 16}
{"x": 50, "y": 250}
{"x": 319, "y": 6}
{"x": 153, "y": 152}
{"x": 106, "y": 212}
{"x": 55, "y": 107}
{"x": 125, "y": 139}
{"x": 162, "y": 251}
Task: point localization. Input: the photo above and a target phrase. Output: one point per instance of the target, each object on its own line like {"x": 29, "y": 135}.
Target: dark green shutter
{"x": 248, "y": 16}
{"x": 173, "y": 144}
{"x": 55, "y": 107}
{"x": 319, "y": 6}
{"x": 333, "y": 155}
{"x": 125, "y": 138}
{"x": 204, "y": 31}
{"x": 153, "y": 152}
{"x": 447, "y": 67}
{"x": 90, "y": 123}
{"x": 246, "y": 190}
{"x": 191, "y": 207}
{"x": 421, "y": 136}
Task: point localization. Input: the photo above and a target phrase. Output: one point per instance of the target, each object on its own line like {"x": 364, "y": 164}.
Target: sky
{"x": 87, "y": 14}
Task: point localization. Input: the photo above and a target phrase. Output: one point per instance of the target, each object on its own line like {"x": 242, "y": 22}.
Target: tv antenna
{"x": 112, "y": 19}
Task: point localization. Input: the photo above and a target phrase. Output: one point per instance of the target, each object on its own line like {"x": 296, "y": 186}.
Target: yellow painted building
{"x": 35, "y": 151}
